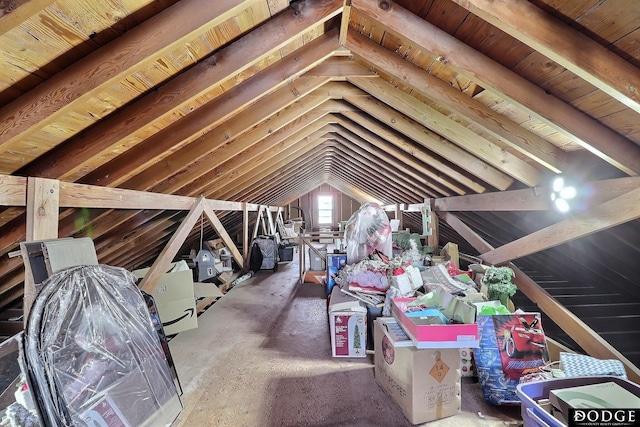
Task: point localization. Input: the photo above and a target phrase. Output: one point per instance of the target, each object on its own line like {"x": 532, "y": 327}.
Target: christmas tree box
{"x": 348, "y": 325}
{"x": 425, "y": 383}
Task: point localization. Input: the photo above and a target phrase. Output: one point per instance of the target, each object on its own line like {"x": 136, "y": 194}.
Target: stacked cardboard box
{"x": 348, "y": 325}
{"x": 425, "y": 383}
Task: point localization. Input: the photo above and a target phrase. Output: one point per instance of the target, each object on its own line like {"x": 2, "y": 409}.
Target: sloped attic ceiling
{"x": 263, "y": 101}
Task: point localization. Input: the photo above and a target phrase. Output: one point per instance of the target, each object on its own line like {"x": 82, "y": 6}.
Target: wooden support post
{"x": 433, "y": 238}
{"x": 301, "y": 258}
{"x": 245, "y": 232}
{"x": 344, "y": 24}
{"x": 399, "y": 216}
{"x": 43, "y": 203}
{"x": 43, "y": 196}
{"x": 272, "y": 227}
{"x": 160, "y": 265}
{"x": 258, "y": 222}
{"x": 228, "y": 241}
{"x": 279, "y": 219}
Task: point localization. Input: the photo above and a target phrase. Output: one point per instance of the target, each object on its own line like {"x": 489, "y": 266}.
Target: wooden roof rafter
{"x": 492, "y": 76}
{"x": 588, "y": 339}
{"x": 142, "y": 45}
{"x": 551, "y": 37}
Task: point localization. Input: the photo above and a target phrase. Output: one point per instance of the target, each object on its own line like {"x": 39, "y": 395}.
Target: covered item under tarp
{"x": 269, "y": 248}
{"x": 93, "y": 356}
{"x": 366, "y": 232}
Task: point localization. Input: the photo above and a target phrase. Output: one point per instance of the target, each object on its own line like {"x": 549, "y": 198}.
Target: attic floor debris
{"x": 261, "y": 356}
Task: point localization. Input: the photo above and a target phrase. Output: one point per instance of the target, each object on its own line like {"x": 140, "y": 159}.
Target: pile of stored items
{"x": 428, "y": 323}
{"x": 92, "y": 355}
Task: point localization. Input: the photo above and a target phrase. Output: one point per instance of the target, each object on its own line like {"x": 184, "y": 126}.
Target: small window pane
{"x": 324, "y": 217}
{"x": 325, "y": 202}
{"x": 325, "y": 209}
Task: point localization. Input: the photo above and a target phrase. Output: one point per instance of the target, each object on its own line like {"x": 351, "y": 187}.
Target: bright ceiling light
{"x": 562, "y": 205}
{"x": 561, "y": 194}
{"x": 558, "y": 183}
{"x": 568, "y": 193}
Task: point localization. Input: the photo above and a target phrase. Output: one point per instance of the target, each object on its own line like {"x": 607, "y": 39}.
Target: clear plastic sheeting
{"x": 93, "y": 355}
{"x": 367, "y": 231}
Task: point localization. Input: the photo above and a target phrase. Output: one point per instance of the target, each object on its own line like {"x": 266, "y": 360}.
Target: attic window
{"x": 325, "y": 209}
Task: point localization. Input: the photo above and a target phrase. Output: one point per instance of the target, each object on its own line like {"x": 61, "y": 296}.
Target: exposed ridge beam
{"x": 388, "y": 180}
{"x": 276, "y": 174}
{"x": 569, "y": 121}
{"x": 376, "y": 194}
{"x": 393, "y": 166}
{"x": 310, "y": 179}
{"x": 283, "y": 174}
{"x": 249, "y": 176}
{"x": 308, "y": 162}
{"x": 399, "y": 163}
{"x": 305, "y": 166}
{"x": 339, "y": 68}
{"x": 354, "y": 171}
{"x": 351, "y": 190}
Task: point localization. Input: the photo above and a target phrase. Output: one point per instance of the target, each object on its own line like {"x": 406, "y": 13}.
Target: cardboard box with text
{"x": 424, "y": 383}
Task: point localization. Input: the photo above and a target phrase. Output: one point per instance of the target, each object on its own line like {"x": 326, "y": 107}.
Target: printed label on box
{"x": 439, "y": 370}
{"x": 348, "y": 335}
{"x": 105, "y": 414}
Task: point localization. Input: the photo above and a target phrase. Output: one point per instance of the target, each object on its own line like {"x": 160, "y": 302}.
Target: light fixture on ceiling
{"x": 562, "y": 194}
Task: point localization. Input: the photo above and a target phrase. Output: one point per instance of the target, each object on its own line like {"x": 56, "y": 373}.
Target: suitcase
{"x": 269, "y": 248}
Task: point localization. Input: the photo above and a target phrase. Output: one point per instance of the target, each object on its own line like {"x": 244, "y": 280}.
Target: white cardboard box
{"x": 175, "y": 299}
{"x": 348, "y": 325}
{"x": 424, "y": 383}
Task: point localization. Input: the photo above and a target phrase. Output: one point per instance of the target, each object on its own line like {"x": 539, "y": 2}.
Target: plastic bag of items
{"x": 93, "y": 354}
{"x": 367, "y": 231}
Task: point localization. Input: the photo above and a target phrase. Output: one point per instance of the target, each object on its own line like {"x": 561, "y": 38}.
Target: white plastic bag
{"x": 367, "y": 230}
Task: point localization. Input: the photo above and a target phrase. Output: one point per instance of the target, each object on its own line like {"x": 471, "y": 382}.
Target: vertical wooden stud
{"x": 43, "y": 206}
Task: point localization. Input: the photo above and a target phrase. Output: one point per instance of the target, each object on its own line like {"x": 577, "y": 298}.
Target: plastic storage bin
{"x": 285, "y": 252}
{"x": 315, "y": 262}
{"x": 533, "y": 415}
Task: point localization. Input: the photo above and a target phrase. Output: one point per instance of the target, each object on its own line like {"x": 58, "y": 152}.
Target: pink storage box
{"x": 457, "y": 335}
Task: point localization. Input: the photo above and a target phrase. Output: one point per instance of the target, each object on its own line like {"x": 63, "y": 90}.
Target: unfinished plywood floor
{"x": 261, "y": 356}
